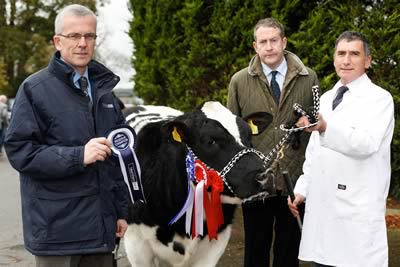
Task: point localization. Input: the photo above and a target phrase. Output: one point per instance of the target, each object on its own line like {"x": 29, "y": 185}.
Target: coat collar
{"x": 295, "y": 65}
{"x": 98, "y": 73}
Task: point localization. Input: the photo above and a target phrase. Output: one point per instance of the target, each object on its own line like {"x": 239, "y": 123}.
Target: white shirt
{"x": 346, "y": 179}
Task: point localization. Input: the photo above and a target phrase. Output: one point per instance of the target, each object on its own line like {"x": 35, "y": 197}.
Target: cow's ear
{"x": 258, "y": 121}
{"x": 176, "y": 131}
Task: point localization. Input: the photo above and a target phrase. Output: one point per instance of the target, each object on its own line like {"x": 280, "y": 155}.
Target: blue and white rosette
{"x": 188, "y": 206}
{"x": 123, "y": 142}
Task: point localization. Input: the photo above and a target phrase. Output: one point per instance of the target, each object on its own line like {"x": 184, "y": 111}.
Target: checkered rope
{"x": 311, "y": 116}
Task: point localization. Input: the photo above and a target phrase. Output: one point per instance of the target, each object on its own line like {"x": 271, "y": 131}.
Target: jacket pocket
{"x": 66, "y": 219}
{"x": 351, "y": 200}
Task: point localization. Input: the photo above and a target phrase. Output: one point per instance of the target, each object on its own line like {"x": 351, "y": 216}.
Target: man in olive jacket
{"x": 252, "y": 90}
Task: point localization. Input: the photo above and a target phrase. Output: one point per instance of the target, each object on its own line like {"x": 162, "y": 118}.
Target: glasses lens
{"x": 78, "y": 36}
{"x": 90, "y": 36}
{"x": 74, "y": 36}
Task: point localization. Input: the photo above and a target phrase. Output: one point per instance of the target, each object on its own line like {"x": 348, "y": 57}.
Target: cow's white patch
{"x": 143, "y": 248}
{"x": 216, "y": 111}
{"x": 151, "y": 114}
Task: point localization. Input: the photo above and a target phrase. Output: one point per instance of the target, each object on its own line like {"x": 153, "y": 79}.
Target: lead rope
{"x": 265, "y": 158}
{"x": 312, "y": 117}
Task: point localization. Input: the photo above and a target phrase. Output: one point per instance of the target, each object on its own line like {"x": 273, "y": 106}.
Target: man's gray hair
{"x": 269, "y": 22}
{"x": 71, "y": 10}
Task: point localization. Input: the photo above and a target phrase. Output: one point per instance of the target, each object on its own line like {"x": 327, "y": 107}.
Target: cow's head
{"x": 219, "y": 138}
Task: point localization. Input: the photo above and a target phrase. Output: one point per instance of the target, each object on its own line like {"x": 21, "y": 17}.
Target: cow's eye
{"x": 211, "y": 142}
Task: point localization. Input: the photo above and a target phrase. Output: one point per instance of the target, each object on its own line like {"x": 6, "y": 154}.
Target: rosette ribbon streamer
{"x": 202, "y": 202}
{"x": 123, "y": 142}
{"x": 211, "y": 188}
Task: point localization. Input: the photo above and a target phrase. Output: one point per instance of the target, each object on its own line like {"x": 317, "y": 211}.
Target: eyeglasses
{"x": 78, "y": 36}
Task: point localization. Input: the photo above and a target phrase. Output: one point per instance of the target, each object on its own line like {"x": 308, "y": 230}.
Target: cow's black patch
{"x": 178, "y": 247}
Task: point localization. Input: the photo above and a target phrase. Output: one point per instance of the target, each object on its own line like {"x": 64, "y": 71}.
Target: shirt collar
{"x": 282, "y": 68}
{"x": 353, "y": 86}
{"x": 76, "y": 76}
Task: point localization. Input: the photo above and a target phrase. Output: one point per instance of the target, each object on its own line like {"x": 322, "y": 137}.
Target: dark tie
{"x": 339, "y": 96}
{"x": 83, "y": 84}
{"x": 275, "y": 86}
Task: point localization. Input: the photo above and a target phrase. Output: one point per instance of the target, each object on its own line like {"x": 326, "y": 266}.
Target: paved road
{"x": 12, "y": 252}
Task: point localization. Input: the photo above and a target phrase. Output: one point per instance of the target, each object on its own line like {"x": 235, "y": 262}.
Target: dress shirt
{"x": 280, "y": 76}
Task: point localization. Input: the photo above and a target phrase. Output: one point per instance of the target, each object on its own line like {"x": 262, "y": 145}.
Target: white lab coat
{"x": 346, "y": 179}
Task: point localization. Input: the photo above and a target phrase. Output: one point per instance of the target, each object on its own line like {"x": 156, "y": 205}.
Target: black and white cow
{"x": 164, "y": 136}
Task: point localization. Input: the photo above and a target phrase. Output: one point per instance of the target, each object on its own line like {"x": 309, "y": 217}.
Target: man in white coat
{"x": 347, "y": 169}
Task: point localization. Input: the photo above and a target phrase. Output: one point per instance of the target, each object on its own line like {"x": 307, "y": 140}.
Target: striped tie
{"x": 83, "y": 84}
{"x": 339, "y": 96}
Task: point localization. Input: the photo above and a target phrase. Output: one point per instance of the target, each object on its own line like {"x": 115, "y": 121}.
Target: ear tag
{"x": 176, "y": 135}
{"x": 253, "y": 127}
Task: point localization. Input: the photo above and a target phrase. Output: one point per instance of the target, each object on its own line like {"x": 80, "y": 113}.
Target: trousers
{"x": 268, "y": 220}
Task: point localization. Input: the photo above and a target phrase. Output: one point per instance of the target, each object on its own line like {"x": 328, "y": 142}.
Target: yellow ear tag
{"x": 176, "y": 135}
{"x": 253, "y": 127}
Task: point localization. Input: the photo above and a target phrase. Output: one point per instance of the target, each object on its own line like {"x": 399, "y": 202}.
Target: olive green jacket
{"x": 250, "y": 92}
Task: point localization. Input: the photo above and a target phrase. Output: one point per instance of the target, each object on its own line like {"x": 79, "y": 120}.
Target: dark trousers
{"x": 94, "y": 260}
{"x": 263, "y": 220}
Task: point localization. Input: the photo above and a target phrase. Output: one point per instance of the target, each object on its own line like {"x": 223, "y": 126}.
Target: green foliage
{"x": 3, "y": 78}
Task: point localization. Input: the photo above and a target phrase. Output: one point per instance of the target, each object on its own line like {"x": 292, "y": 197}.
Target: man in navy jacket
{"x": 74, "y": 201}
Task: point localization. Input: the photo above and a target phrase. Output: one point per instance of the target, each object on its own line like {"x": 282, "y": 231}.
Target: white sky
{"x": 114, "y": 45}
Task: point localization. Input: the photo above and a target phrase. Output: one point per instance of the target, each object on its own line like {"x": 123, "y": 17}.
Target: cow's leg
{"x": 137, "y": 248}
{"x": 209, "y": 252}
